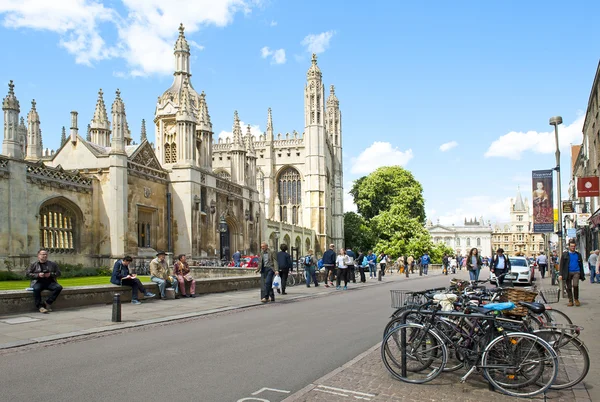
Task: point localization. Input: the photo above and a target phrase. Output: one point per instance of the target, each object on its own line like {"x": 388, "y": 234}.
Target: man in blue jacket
{"x": 122, "y": 277}
{"x": 425, "y": 261}
{"x": 329, "y": 263}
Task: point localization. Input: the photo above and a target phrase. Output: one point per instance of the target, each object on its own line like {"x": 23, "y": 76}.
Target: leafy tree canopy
{"x": 357, "y": 233}
{"x": 386, "y": 187}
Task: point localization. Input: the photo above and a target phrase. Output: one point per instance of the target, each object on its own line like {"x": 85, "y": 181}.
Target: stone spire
{"x": 63, "y": 136}
{"x": 269, "y": 125}
{"x": 249, "y": 140}
{"x": 314, "y": 99}
{"x": 519, "y": 205}
{"x": 119, "y": 124}
{"x": 100, "y": 127}
{"x": 182, "y": 54}
{"x": 22, "y": 136}
{"x": 314, "y": 72}
{"x": 185, "y": 112}
{"x": 88, "y": 135}
{"x": 203, "y": 115}
{"x": 237, "y": 129}
{"x": 143, "y": 136}
{"x": 332, "y": 100}
{"x": 10, "y": 106}
{"x": 34, "y": 134}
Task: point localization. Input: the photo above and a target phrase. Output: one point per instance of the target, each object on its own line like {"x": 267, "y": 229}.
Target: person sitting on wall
{"x": 43, "y": 274}
{"x": 122, "y": 277}
{"x": 181, "y": 270}
{"x": 160, "y": 274}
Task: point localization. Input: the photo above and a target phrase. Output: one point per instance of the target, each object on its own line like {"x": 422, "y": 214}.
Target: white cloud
{"x": 448, "y": 146}
{"x": 254, "y": 129}
{"x": 145, "y": 32}
{"x": 317, "y": 43}
{"x": 515, "y": 143}
{"x": 273, "y": 23}
{"x": 277, "y": 56}
{"x": 377, "y": 155}
{"x": 488, "y": 207}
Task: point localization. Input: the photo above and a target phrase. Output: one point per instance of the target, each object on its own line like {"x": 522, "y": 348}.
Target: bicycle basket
{"x": 401, "y": 298}
{"x": 551, "y": 295}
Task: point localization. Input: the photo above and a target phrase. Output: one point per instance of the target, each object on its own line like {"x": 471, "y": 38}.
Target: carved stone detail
{"x": 57, "y": 177}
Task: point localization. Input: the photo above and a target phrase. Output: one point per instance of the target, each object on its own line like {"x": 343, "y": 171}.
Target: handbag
{"x": 188, "y": 277}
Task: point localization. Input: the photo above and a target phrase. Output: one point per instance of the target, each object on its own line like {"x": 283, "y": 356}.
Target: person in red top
{"x": 181, "y": 270}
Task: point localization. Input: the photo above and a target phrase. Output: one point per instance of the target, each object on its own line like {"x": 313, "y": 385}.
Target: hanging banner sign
{"x": 568, "y": 207}
{"x": 588, "y": 186}
{"x": 582, "y": 219}
{"x": 571, "y": 232}
{"x": 543, "y": 213}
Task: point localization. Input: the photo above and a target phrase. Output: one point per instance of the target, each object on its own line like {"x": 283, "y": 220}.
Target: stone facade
{"x": 516, "y": 236}
{"x": 103, "y": 196}
{"x": 461, "y": 239}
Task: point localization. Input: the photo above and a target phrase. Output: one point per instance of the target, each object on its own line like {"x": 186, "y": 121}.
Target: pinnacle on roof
{"x": 88, "y": 135}
{"x": 332, "y": 100}
{"x": 519, "y": 204}
{"x": 118, "y": 106}
{"x": 249, "y": 140}
{"x": 100, "y": 119}
{"x": 143, "y": 134}
{"x": 269, "y": 120}
{"x": 237, "y": 129}
{"x": 314, "y": 71}
{"x": 33, "y": 114}
{"x": 203, "y": 115}
{"x": 11, "y": 102}
{"x": 63, "y": 135}
{"x": 181, "y": 45}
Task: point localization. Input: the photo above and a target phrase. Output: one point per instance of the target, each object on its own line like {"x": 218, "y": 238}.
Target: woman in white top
{"x": 382, "y": 263}
{"x": 342, "y": 268}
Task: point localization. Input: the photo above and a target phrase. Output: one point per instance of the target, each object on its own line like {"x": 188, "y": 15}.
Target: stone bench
{"x": 21, "y": 301}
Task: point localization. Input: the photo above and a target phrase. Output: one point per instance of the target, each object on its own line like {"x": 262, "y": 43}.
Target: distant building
{"x": 516, "y": 236}
{"x": 474, "y": 233}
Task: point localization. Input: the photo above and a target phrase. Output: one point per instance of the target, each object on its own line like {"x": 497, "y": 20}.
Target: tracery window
{"x": 58, "y": 224}
{"x": 170, "y": 153}
{"x": 290, "y": 191}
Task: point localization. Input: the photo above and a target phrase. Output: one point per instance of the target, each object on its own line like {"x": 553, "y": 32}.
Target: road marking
{"x": 330, "y": 392}
{"x": 346, "y": 390}
{"x": 270, "y": 389}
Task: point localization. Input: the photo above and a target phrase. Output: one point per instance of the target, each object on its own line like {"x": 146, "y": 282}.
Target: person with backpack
{"x": 329, "y": 263}
{"x": 425, "y": 261}
{"x": 350, "y": 258}
{"x": 310, "y": 264}
{"x": 361, "y": 267}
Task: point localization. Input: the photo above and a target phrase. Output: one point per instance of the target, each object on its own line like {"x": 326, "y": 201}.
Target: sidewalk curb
{"x": 128, "y": 325}
{"x": 327, "y": 376}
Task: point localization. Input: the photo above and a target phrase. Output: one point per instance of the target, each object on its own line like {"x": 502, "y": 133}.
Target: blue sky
{"x": 457, "y": 92}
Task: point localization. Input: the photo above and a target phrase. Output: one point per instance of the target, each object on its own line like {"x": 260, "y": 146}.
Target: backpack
{"x": 308, "y": 261}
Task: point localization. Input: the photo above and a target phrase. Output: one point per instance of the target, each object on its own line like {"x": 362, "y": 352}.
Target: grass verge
{"x": 67, "y": 282}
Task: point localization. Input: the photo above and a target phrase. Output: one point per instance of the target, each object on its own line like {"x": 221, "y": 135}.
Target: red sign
{"x": 588, "y": 186}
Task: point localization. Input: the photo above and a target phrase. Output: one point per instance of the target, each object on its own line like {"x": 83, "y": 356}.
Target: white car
{"x": 521, "y": 272}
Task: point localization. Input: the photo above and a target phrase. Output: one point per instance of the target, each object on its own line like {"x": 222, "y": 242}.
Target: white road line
{"x": 270, "y": 389}
{"x": 330, "y": 392}
{"x": 348, "y": 391}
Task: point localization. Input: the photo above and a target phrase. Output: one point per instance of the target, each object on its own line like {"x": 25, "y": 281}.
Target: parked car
{"x": 521, "y": 271}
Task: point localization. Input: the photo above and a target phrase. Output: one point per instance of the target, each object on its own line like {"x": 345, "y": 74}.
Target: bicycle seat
{"x": 537, "y": 308}
{"x": 499, "y": 306}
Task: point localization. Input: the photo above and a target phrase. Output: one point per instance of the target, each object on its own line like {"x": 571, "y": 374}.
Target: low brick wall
{"x": 21, "y": 301}
{"x": 221, "y": 272}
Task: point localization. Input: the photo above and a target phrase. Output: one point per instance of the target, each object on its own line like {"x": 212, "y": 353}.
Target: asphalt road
{"x": 224, "y": 357}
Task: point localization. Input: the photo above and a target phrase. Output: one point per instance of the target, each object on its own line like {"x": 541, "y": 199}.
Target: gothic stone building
{"x": 103, "y": 196}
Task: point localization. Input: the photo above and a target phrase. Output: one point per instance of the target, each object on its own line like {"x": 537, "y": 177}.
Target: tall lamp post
{"x": 555, "y": 121}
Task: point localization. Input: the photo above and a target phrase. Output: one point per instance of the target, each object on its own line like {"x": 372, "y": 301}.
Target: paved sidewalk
{"x": 30, "y": 328}
{"x": 366, "y": 378}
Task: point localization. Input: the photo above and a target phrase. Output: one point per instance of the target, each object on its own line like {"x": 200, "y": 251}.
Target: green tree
{"x": 399, "y": 234}
{"x": 438, "y": 251}
{"x": 386, "y": 187}
{"x": 357, "y": 233}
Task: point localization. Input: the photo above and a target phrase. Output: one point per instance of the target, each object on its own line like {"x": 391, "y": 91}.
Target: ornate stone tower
{"x": 34, "y": 134}
{"x": 316, "y": 207}
{"x": 334, "y": 131}
{"x": 251, "y": 159}
{"x": 10, "y": 105}
{"x": 238, "y": 153}
{"x": 119, "y": 124}
{"x": 183, "y": 127}
{"x": 100, "y": 126}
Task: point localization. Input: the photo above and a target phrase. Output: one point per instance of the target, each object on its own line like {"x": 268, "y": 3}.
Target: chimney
{"x": 73, "y": 127}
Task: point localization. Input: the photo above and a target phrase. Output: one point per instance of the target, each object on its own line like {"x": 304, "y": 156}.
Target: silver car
{"x": 521, "y": 271}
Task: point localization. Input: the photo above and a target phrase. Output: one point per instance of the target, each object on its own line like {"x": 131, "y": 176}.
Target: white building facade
{"x": 473, "y": 234}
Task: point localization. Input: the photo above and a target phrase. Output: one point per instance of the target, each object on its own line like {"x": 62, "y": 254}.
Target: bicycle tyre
{"x": 573, "y": 357}
{"x": 558, "y": 317}
{"x": 426, "y": 348}
{"x": 291, "y": 281}
{"x": 538, "y": 371}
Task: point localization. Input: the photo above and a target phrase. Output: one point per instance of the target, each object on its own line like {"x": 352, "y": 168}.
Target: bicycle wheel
{"x": 291, "y": 280}
{"x": 519, "y": 364}
{"x": 573, "y": 357}
{"x": 413, "y": 353}
{"x": 558, "y": 317}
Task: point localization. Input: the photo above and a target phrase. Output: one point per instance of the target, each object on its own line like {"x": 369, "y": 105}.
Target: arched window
{"x": 290, "y": 191}
{"x": 170, "y": 153}
{"x": 59, "y": 226}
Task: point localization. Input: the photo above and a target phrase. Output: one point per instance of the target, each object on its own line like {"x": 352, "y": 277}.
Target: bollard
{"x": 116, "y": 308}
{"x": 379, "y": 275}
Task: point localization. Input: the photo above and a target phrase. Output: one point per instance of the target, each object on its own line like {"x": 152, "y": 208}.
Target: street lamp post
{"x": 555, "y": 121}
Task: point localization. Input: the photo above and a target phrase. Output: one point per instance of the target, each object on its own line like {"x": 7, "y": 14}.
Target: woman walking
{"x": 473, "y": 264}
{"x": 342, "y": 269}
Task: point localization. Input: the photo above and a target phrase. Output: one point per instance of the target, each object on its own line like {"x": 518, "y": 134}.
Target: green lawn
{"x": 67, "y": 282}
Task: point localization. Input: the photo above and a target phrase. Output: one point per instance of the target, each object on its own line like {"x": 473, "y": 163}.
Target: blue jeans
{"x": 474, "y": 274}
{"x": 162, "y": 285}
{"x": 372, "y": 270}
{"x": 310, "y": 273}
{"x": 425, "y": 267}
{"x": 266, "y": 290}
